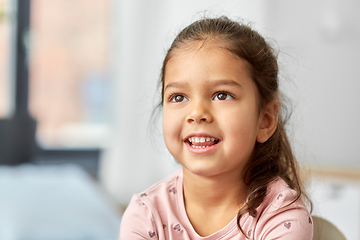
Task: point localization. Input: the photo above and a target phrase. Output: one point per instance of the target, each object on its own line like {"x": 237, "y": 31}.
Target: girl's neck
{"x": 212, "y": 202}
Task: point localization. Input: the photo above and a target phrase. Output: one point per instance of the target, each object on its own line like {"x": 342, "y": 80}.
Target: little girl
{"x": 222, "y": 123}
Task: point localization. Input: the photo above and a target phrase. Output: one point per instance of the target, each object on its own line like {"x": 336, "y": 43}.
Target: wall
{"x": 320, "y": 48}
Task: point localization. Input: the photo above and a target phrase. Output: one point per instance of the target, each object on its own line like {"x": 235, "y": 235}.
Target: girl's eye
{"x": 178, "y": 98}
{"x": 222, "y": 96}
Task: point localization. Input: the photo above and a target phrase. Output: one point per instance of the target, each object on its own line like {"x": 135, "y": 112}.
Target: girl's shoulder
{"x": 282, "y": 215}
{"x": 151, "y": 208}
{"x": 280, "y": 193}
{"x": 281, "y": 197}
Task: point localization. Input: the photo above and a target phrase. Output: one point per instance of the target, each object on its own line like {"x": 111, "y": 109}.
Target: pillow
{"x": 54, "y": 202}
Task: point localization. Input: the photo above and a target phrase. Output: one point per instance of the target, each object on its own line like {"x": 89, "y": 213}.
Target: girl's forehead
{"x": 204, "y": 65}
{"x": 199, "y": 51}
{"x": 202, "y": 49}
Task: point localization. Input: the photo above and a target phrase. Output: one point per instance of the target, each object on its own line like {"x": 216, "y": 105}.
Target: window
{"x": 69, "y": 72}
{"x": 54, "y": 67}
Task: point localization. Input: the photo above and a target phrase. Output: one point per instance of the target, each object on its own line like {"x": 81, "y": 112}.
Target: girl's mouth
{"x": 202, "y": 142}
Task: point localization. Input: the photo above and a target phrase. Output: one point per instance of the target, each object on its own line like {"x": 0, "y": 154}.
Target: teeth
{"x": 200, "y": 140}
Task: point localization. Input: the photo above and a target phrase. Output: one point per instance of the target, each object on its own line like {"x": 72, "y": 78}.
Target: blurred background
{"x": 79, "y": 83}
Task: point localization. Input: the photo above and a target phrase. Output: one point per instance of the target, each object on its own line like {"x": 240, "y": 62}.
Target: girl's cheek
{"x": 168, "y": 124}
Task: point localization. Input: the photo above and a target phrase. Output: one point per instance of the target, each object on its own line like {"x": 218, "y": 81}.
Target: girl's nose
{"x": 199, "y": 112}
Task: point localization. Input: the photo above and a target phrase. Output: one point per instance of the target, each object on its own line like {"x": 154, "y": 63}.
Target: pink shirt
{"x": 159, "y": 213}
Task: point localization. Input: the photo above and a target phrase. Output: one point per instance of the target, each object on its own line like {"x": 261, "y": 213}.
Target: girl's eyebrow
{"x": 226, "y": 82}
{"x": 175, "y": 85}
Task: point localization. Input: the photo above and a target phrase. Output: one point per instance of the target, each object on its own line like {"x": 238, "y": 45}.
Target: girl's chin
{"x": 201, "y": 170}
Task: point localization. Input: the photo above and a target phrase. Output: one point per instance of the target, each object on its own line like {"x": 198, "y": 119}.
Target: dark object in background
{"x": 17, "y": 133}
{"x": 17, "y": 139}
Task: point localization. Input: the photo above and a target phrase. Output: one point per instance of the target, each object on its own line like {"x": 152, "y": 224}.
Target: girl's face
{"x": 211, "y": 119}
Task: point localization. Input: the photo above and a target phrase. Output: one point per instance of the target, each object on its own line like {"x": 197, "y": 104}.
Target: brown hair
{"x": 273, "y": 158}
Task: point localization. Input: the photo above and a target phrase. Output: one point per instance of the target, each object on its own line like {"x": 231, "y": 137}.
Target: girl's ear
{"x": 268, "y": 122}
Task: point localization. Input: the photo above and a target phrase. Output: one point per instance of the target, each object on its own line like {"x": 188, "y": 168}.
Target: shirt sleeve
{"x": 283, "y": 221}
{"x": 137, "y": 222}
